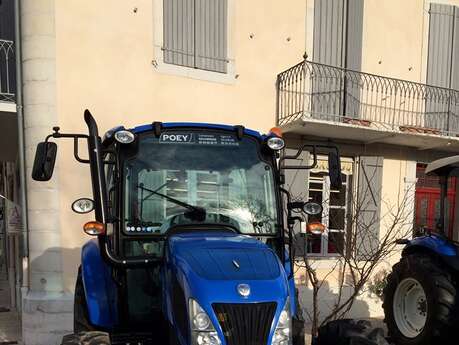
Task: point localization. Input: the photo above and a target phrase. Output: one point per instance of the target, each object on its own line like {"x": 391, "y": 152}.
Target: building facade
{"x": 377, "y": 82}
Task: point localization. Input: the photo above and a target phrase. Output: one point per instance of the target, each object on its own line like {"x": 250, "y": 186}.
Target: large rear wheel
{"x": 419, "y": 302}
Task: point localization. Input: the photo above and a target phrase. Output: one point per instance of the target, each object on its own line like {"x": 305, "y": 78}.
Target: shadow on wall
{"x": 46, "y": 269}
{"x": 328, "y": 297}
{"x": 48, "y": 308}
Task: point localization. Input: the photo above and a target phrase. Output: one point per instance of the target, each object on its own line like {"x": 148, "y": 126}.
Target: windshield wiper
{"x": 196, "y": 213}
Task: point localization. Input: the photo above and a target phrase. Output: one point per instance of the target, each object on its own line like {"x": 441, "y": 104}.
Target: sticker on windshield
{"x": 176, "y": 138}
{"x": 199, "y": 139}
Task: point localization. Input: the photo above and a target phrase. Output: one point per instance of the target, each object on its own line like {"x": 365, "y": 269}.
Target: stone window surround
{"x": 194, "y": 73}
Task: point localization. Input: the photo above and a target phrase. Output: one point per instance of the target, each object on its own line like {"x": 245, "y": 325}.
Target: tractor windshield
{"x": 186, "y": 177}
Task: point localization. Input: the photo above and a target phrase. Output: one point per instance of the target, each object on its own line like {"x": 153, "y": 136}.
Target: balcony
{"x": 7, "y": 72}
{"x": 314, "y": 99}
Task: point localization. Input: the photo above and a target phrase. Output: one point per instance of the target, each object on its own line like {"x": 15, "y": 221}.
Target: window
{"x": 195, "y": 34}
{"x": 336, "y": 205}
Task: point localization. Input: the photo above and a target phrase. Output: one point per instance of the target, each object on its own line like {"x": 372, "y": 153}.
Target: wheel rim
{"x": 410, "y": 307}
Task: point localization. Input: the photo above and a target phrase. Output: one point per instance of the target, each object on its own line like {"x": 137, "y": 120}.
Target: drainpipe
{"x": 21, "y": 151}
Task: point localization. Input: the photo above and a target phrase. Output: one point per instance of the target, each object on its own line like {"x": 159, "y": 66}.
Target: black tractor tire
{"x": 440, "y": 293}
{"x": 86, "y": 338}
{"x": 80, "y": 312}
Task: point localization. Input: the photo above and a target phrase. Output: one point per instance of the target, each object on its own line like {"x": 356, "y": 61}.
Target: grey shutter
{"x": 211, "y": 35}
{"x": 440, "y": 44}
{"x": 453, "y": 123}
{"x": 328, "y": 32}
{"x": 354, "y": 24}
{"x": 178, "y": 29}
{"x": 439, "y": 64}
{"x": 338, "y": 27}
{"x": 368, "y": 206}
{"x": 455, "y": 54}
{"x": 328, "y": 84}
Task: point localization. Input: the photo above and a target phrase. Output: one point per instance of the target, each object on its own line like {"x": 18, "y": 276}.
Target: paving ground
{"x": 10, "y": 325}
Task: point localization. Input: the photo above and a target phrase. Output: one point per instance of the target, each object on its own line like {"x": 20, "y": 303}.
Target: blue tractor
{"x": 193, "y": 235}
{"x": 421, "y": 295}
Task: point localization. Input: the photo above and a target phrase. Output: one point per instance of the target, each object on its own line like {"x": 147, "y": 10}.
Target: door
{"x": 427, "y": 212}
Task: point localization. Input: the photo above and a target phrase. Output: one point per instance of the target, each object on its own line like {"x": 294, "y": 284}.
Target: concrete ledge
{"x": 46, "y": 317}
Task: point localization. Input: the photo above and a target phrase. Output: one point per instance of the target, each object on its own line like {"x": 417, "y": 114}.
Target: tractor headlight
{"x": 124, "y": 137}
{"x": 202, "y": 330}
{"x": 276, "y": 143}
{"x": 283, "y": 333}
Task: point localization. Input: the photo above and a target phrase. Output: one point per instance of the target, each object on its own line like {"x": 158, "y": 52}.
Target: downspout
{"x": 21, "y": 151}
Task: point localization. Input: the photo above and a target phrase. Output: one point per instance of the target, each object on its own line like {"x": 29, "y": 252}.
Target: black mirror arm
{"x": 75, "y": 138}
{"x": 290, "y": 234}
{"x": 295, "y": 156}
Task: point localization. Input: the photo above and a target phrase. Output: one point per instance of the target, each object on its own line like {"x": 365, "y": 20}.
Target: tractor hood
{"x": 210, "y": 266}
{"x": 225, "y": 256}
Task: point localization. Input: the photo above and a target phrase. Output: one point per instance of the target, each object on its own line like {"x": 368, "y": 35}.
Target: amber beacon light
{"x": 315, "y": 228}
{"x": 94, "y": 228}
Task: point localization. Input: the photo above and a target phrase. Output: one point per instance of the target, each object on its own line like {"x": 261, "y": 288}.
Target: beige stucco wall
{"x": 395, "y": 37}
{"x": 104, "y": 51}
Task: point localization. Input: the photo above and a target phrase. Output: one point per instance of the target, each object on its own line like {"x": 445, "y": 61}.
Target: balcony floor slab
{"x": 368, "y": 135}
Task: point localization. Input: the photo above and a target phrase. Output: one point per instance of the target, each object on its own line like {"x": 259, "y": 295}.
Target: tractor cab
{"x": 193, "y": 233}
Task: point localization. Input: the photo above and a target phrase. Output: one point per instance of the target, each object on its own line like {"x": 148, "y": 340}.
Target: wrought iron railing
{"x": 320, "y": 92}
{"x": 7, "y": 71}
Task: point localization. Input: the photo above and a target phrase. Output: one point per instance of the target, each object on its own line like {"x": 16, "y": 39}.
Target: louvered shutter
{"x": 440, "y": 44}
{"x": 328, "y": 32}
{"x": 195, "y": 33}
{"x": 354, "y": 23}
{"x": 439, "y": 64}
{"x": 338, "y": 26}
{"x": 454, "y": 104}
{"x": 179, "y": 24}
{"x": 211, "y": 35}
{"x": 327, "y": 88}
{"x": 368, "y": 206}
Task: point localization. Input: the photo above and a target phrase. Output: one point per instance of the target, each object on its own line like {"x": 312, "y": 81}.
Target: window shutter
{"x": 454, "y": 107}
{"x": 338, "y": 27}
{"x": 354, "y": 23}
{"x": 329, "y": 32}
{"x": 211, "y": 35}
{"x": 327, "y": 93}
{"x": 440, "y": 44}
{"x": 440, "y": 63}
{"x": 368, "y": 206}
{"x": 179, "y": 28}
{"x": 354, "y": 34}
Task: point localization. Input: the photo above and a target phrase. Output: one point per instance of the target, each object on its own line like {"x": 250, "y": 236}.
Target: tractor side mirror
{"x": 334, "y": 170}
{"x": 45, "y": 157}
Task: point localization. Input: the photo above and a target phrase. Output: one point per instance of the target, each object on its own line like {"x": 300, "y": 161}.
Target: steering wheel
{"x": 176, "y": 225}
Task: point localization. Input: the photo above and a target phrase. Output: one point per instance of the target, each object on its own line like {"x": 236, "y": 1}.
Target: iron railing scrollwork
{"x": 316, "y": 91}
{"x": 7, "y": 71}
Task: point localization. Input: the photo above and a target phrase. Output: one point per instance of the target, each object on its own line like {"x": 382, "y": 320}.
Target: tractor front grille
{"x": 245, "y": 323}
